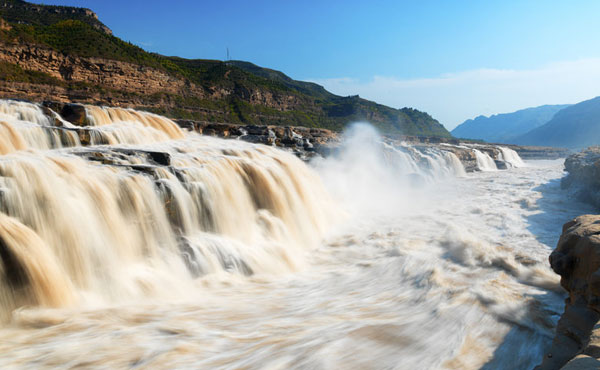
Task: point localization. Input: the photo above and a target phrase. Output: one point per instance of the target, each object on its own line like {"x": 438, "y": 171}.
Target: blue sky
{"x": 453, "y": 59}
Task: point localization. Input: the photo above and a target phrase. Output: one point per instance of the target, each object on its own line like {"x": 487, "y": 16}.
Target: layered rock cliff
{"x": 66, "y": 54}
{"x": 584, "y": 175}
{"x": 577, "y": 260}
{"x": 118, "y": 75}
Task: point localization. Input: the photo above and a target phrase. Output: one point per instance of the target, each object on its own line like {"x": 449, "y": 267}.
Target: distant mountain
{"x": 67, "y": 54}
{"x": 575, "y": 127}
{"x": 504, "y": 128}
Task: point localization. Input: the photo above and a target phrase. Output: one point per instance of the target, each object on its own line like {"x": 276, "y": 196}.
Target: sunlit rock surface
{"x": 577, "y": 260}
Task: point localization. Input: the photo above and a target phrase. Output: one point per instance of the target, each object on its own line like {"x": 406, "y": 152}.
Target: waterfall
{"x": 108, "y": 116}
{"x": 25, "y": 126}
{"x": 125, "y": 204}
{"x": 23, "y": 111}
{"x": 118, "y": 222}
{"x": 430, "y": 163}
{"x": 484, "y": 161}
{"x": 511, "y": 157}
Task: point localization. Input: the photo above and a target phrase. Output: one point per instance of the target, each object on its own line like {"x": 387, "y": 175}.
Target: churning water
{"x": 132, "y": 244}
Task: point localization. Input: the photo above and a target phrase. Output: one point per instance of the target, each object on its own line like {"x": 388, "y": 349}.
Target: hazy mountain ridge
{"x": 68, "y": 52}
{"x": 576, "y": 127}
{"x": 506, "y": 127}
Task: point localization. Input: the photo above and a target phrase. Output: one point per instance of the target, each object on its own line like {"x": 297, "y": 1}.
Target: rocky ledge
{"x": 538, "y": 152}
{"x": 584, "y": 175}
{"x": 576, "y": 259}
{"x": 304, "y": 142}
{"x": 307, "y": 142}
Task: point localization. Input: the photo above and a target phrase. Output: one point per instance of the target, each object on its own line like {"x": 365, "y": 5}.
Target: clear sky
{"x": 455, "y": 59}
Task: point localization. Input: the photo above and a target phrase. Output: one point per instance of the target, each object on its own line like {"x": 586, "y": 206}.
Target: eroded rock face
{"x": 584, "y": 175}
{"x": 116, "y": 74}
{"x": 130, "y": 84}
{"x": 303, "y": 141}
{"x": 577, "y": 260}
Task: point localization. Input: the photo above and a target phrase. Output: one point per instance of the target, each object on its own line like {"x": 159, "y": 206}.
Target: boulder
{"x": 577, "y": 260}
{"x": 74, "y": 113}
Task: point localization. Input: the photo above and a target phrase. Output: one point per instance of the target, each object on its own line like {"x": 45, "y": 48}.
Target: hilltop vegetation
{"x": 233, "y": 91}
{"x": 21, "y": 12}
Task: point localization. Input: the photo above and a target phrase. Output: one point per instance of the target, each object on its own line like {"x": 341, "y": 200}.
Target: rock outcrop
{"x": 110, "y": 73}
{"x": 577, "y": 260}
{"x": 96, "y": 80}
{"x": 538, "y": 152}
{"x": 584, "y": 175}
{"x": 303, "y": 141}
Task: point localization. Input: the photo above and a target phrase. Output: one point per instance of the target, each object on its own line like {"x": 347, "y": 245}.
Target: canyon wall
{"x": 576, "y": 259}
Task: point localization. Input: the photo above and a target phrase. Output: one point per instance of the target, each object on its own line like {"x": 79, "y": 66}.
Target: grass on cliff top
{"x": 22, "y": 12}
{"x": 312, "y": 105}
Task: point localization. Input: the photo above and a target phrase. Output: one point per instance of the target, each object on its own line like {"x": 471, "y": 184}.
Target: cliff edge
{"x": 576, "y": 259}
{"x": 67, "y": 54}
{"x": 584, "y": 175}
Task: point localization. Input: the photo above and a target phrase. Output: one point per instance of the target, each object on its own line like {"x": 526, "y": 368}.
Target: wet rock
{"x": 188, "y": 125}
{"x": 11, "y": 268}
{"x": 303, "y": 141}
{"x": 74, "y": 113}
{"x": 126, "y": 157}
{"x": 501, "y": 165}
{"x": 582, "y": 362}
{"x": 55, "y": 106}
{"x": 161, "y": 158}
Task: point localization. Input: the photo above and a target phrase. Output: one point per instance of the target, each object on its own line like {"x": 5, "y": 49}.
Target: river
{"x": 241, "y": 256}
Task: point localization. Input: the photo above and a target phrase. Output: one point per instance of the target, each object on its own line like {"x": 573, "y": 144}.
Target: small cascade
{"x": 24, "y": 126}
{"x": 29, "y": 126}
{"x": 511, "y": 157}
{"x": 484, "y": 161}
{"x": 455, "y": 164}
{"x": 108, "y": 116}
{"x": 430, "y": 163}
{"x": 29, "y": 272}
{"x": 23, "y": 111}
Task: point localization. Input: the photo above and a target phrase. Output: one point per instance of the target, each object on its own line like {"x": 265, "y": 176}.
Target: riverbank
{"x": 576, "y": 343}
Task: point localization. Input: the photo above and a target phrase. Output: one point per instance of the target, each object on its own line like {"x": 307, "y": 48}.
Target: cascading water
{"x": 511, "y": 157}
{"x": 124, "y": 125}
{"x": 25, "y": 126}
{"x": 484, "y": 161}
{"x": 116, "y": 222}
{"x": 161, "y": 248}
